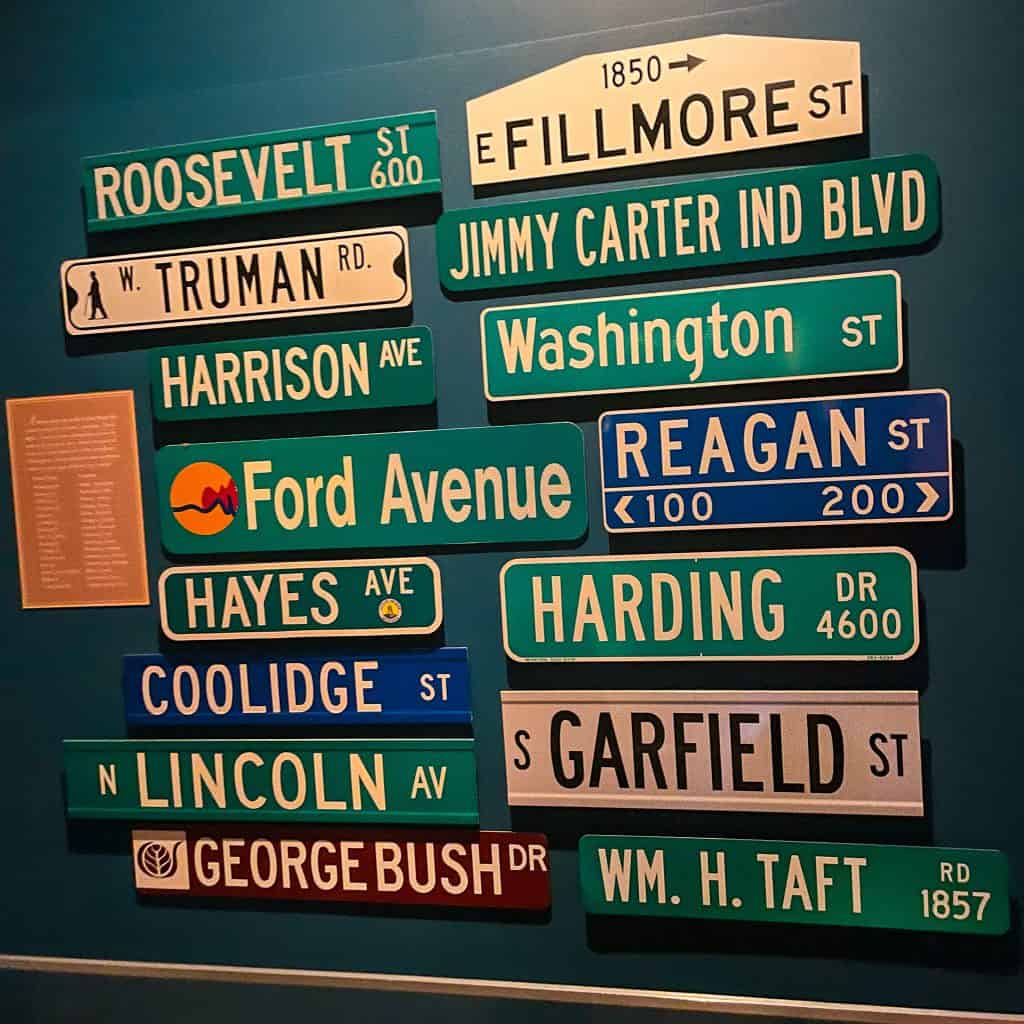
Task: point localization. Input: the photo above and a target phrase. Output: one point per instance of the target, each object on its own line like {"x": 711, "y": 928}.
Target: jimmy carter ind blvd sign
{"x": 301, "y": 373}
{"x": 442, "y": 867}
{"x": 336, "y": 273}
{"x": 853, "y": 885}
{"x": 347, "y": 689}
{"x": 853, "y": 604}
{"x": 796, "y": 462}
{"x": 356, "y": 161}
{"x": 406, "y": 781}
{"x": 650, "y": 104}
{"x": 475, "y": 485}
{"x": 805, "y": 211}
{"x": 843, "y": 325}
{"x": 386, "y": 597}
{"x": 788, "y": 751}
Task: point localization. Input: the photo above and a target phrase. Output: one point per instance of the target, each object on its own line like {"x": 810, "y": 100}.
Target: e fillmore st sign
{"x": 349, "y": 689}
{"x": 386, "y": 597}
{"x": 843, "y": 325}
{"x": 673, "y": 101}
{"x": 406, "y": 781}
{"x": 442, "y": 867}
{"x": 821, "y": 210}
{"x": 796, "y": 462}
{"x": 475, "y": 485}
{"x": 795, "y": 751}
{"x": 351, "y": 370}
{"x": 355, "y": 161}
{"x": 910, "y": 888}
{"x": 337, "y": 273}
{"x": 842, "y": 604}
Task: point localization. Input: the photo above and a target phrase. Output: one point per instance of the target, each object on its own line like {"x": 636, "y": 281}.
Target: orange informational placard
{"x": 77, "y": 500}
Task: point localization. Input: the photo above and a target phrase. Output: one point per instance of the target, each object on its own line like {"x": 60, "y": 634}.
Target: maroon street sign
{"x": 438, "y": 867}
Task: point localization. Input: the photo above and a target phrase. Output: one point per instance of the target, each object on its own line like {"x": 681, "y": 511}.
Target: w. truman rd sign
{"x": 335, "y": 273}
{"x": 672, "y": 101}
{"x": 476, "y": 485}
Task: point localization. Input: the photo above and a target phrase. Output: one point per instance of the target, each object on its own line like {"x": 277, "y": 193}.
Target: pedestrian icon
{"x": 94, "y": 298}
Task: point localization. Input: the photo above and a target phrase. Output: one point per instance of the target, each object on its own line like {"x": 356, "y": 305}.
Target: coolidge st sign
{"x": 672, "y": 101}
{"x": 473, "y": 485}
{"x": 380, "y": 158}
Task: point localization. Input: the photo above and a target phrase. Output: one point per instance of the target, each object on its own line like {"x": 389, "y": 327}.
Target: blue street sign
{"x": 350, "y": 689}
{"x": 797, "y": 462}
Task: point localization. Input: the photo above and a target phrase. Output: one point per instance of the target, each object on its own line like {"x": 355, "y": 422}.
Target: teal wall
{"x": 79, "y": 79}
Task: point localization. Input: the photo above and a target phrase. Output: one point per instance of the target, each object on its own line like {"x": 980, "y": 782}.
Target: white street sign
{"x": 333, "y": 273}
{"x": 794, "y": 751}
{"x": 672, "y": 101}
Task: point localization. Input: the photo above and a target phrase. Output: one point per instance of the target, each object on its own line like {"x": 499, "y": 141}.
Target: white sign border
{"x": 695, "y": 555}
{"x": 178, "y": 570}
{"x": 533, "y": 396}
{"x": 678, "y": 527}
{"x": 397, "y": 229}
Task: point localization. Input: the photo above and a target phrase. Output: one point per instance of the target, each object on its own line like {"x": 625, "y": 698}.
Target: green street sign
{"x": 301, "y": 373}
{"x": 386, "y": 597}
{"x": 408, "y": 781}
{"x": 826, "y": 209}
{"x": 354, "y": 161}
{"x": 844, "y": 884}
{"x": 843, "y": 325}
{"x": 478, "y": 485}
{"x": 845, "y": 604}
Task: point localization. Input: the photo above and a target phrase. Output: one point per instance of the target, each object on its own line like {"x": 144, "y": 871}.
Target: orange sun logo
{"x": 204, "y": 498}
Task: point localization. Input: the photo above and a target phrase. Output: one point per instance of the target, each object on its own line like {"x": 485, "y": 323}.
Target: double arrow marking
{"x": 620, "y": 511}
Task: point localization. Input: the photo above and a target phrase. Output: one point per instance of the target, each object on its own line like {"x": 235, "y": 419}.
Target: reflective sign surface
{"x": 388, "y": 597}
{"x": 792, "y": 751}
{"x": 797, "y": 462}
{"x": 347, "y": 689}
{"x": 845, "y": 604}
{"x": 905, "y": 887}
{"x": 336, "y": 273}
{"x": 444, "y": 868}
{"x": 413, "y": 781}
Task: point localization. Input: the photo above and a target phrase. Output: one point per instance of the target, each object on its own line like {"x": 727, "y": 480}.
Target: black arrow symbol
{"x": 690, "y": 63}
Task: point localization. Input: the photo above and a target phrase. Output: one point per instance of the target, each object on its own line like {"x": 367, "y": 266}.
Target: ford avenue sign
{"x": 472, "y": 485}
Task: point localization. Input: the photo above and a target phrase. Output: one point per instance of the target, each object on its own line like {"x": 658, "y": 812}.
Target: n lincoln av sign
{"x": 672, "y": 101}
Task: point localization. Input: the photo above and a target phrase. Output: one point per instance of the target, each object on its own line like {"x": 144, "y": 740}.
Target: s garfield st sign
{"x": 466, "y": 486}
